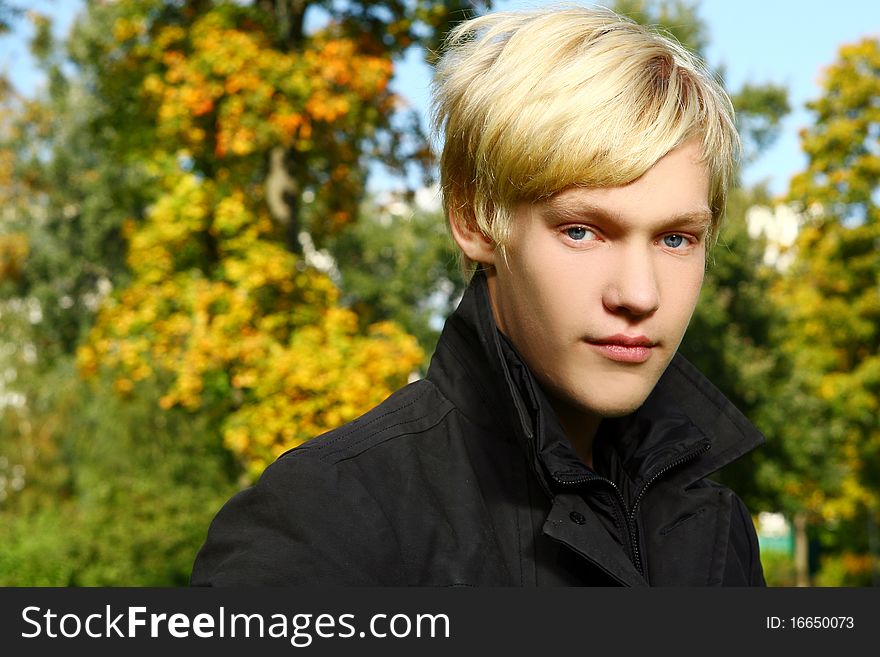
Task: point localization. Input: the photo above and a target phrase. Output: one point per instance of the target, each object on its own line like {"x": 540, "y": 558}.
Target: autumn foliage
{"x": 831, "y": 295}
{"x": 258, "y": 333}
{"x": 220, "y": 309}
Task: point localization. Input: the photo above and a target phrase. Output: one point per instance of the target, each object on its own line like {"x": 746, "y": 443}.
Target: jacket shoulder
{"x": 312, "y": 517}
{"x": 414, "y": 409}
{"x": 298, "y": 525}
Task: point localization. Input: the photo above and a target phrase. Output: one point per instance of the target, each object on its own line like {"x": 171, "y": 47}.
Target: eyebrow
{"x": 555, "y": 210}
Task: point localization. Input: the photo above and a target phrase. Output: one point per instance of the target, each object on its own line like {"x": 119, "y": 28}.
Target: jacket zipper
{"x": 704, "y": 447}
{"x": 630, "y": 515}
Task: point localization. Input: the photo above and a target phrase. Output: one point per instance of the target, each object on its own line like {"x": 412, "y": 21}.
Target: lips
{"x": 624, "y": 348}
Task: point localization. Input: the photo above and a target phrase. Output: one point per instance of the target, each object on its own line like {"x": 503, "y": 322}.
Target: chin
{"x": 616, "y": 411}
{"x": 618, "y": 407}
{"x": 612, "y": 399}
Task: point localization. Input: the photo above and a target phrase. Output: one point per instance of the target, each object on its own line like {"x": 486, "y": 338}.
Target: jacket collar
{"x": 685, "y": 418}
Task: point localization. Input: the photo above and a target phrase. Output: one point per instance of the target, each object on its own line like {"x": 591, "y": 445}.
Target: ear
{"x": 476, "y": 245}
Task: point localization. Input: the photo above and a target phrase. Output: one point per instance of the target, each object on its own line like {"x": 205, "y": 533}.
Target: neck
{"x": 579, "y": 427}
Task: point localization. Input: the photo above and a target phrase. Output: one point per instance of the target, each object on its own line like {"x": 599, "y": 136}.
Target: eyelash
{"x": 586, "y": 229}
{"x": 689, "y": 240}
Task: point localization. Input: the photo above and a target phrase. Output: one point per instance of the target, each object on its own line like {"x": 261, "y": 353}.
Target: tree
{"x": 65, "y": 195}
{"x": 98, "y": 490}
{"x": 831, "y": 297}
{"x": 222, "y": 298}
{"x": 399, "y": 263}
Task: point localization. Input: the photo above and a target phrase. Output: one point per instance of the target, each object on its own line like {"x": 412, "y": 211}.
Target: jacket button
{"x": 577, "y": 517}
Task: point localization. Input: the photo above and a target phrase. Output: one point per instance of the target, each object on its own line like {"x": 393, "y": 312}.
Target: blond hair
{"x": 530, "y": 103}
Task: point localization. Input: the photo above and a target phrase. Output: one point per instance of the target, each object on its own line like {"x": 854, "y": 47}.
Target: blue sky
{"x": 788, "y": 42}
{"x": 781, "y": 41}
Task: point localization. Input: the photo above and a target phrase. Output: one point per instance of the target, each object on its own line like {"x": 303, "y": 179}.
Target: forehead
{"x": 676, "y": 186}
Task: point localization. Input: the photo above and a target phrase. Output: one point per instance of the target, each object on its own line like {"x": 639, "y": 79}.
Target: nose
{"x": 632, "y": 286}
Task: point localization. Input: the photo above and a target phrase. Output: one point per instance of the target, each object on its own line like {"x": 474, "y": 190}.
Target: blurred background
{"x": 220, "y": 236}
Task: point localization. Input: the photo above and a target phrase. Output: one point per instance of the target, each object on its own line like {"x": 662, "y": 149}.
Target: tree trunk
{"x": 801, "y": 550}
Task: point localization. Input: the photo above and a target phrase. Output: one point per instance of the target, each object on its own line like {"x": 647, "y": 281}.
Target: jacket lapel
{"x": 730, "y": 434}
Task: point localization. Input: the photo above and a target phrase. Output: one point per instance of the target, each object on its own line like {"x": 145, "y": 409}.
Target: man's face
{"x": 599, "y": 284}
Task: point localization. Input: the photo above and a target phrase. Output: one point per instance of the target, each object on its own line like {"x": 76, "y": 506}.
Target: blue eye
{"x": 577, "y": 233}
{"x": 673, "y": 241}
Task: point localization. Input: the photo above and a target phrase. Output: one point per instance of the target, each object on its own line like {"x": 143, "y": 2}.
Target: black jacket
{"x": 466, "y": 478}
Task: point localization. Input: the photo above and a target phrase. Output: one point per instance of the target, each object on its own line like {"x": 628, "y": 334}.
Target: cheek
{"x": 530, "y": 302}
{"x": 697, "y": 284}
{"x": 684, "y": 292}
{"x": 551, "y": 290}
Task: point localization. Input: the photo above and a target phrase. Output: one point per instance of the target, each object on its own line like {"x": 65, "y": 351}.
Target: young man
{"x": 558, "y": 438}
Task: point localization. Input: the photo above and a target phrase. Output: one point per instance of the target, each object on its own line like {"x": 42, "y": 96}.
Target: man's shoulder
{"x": 409, "y": 412}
